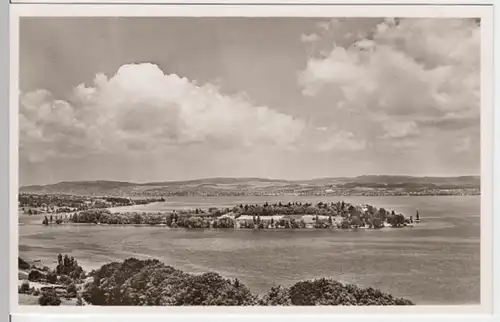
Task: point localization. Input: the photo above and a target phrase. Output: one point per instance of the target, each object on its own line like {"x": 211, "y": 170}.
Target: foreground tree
{"x": 25, "y": 288}
{"x": 150, "y": 282}
{"x": 277, "y": 296}
{"x": 326, "y": 291}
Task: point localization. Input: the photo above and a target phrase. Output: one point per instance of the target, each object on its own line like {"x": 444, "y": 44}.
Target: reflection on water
{"x": 434, "y": 263}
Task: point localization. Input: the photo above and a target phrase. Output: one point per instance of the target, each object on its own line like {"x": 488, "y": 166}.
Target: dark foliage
{"x": 330, "y": 292}
{"x": 25, "y": 288}
{"x": 71, "y": 290}
{"x": 62, "y": 203}
{"x": 35, "y": 276}
{"x": 22, "y": 264}
{"x": 49, "y": 298}
{"x": 277, "y": 296}
{"x": 68, "y": 267}
{"x": 150, "y": 282}
{"x": 51, "y": 278}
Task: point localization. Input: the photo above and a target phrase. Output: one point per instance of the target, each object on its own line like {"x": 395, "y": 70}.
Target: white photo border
{"x": 483, "y": 9}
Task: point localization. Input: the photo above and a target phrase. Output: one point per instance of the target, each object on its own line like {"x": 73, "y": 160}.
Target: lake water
{"x": 437, "y": 262}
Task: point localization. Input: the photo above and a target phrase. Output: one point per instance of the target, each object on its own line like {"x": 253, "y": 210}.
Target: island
{"x": 297, "y": 215}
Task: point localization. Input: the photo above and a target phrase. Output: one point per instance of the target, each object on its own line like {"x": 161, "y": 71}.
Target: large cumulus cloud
{"x": 142, "y": 109}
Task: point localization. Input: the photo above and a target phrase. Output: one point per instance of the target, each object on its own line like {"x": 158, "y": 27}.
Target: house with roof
{"x": 273, "y": 218}
{"x": 243, "y": 219}
{"x": 310, "y": 220}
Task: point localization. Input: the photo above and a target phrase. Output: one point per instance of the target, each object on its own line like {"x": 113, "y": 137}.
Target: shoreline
{"x": 241, "y": 229}
{"x": 386, "y": 227}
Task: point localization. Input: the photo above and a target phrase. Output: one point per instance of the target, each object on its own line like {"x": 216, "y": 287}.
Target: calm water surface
{"x": 437, "y": 262}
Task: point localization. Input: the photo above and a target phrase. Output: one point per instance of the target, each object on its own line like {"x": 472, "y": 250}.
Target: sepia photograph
{"x": 251, "y": 161}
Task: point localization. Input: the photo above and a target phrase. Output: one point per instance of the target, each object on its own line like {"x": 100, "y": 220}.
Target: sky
{"x": 160, "y": 99}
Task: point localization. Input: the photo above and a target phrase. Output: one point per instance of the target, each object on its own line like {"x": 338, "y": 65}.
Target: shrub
{"x": 225, "y": 223}
{"x": 22, "y": 264}
{"x": 377, "y": 223}
{"x": 277, "y": 295}
{"x": 24, "y": 288}
{"x": 49, "y": 298}
{"x": 212, "y": 289}
{"x": 64, "y": 279}
{"x": 68, "y": 266}
{"x": 52, "y": 278}
{"x": 71, "y": 290}
{"x": 330, "y": 292}
{"x": 35, "y": 276}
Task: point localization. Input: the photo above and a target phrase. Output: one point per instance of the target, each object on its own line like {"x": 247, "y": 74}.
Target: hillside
{"x": 253, "y": 186}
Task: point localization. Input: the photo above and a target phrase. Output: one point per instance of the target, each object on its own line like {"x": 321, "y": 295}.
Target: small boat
{"x": 417, "y": 217}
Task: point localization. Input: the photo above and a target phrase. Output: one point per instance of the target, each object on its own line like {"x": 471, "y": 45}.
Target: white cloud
{"x": 142, "y": 109}
{"x": 341, "y": 141}
{"x": 407, "y": 76}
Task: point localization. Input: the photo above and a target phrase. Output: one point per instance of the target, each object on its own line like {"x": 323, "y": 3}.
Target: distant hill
{"x": 252, "y": 185}
{"x": 375, "y": 181}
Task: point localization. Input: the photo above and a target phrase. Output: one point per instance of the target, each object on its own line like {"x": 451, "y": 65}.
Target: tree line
{"x": 323, "y": 213}
{"x": 69, "y": 203}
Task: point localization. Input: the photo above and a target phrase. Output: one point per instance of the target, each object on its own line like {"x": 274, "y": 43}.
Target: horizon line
{"x": 263, "y": 178}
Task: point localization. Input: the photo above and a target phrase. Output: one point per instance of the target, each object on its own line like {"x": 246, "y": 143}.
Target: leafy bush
{"x": 22, "y": 264}
{"x": 71, "y": 290}
{"x": 35, "y": 276}
{"x": 330, "y": 292}
{"x": 277, "y": 296}
{"x": 212, "y": 289}
{"x": 107, "y": 281}
{"x": 135, "y": 282}
{"x": 69, "y": 268}
{"x": 377, "y": 223}
{"x": 225, "y": 223}
{"x": 49, "y": 298}
{"x": 52, "y": 278}
{"x": 25, "y": 288}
